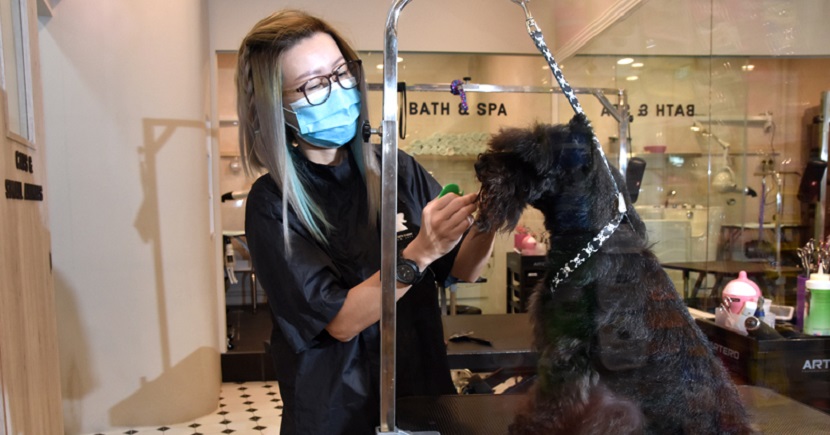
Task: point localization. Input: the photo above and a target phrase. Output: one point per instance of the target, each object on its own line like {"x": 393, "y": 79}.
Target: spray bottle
{"x": 817, "y": 304}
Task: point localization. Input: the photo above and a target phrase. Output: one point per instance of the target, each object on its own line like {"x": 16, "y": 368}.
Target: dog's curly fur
{"x": 618, "y": 351}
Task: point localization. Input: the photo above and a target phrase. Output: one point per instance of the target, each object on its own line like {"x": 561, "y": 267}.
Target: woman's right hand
{"x": 443, "y": 223}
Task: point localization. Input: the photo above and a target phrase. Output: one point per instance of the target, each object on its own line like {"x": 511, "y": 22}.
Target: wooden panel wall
{"x": 29, "y": 366}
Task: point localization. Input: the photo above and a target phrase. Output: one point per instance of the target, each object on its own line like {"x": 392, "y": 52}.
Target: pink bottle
{"x": 739, "y": 291}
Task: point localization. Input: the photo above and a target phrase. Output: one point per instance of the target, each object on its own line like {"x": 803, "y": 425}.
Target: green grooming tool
{"x": 451, "y": 188}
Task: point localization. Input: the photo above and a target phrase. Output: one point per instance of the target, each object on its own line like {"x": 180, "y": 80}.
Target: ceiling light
{"x": 625, "y": 61}
{"x": 637, "y": 65}
{"x": 749, "y": 67}
{"x": 380, "y": 66}
{"x": 632, "y": 78}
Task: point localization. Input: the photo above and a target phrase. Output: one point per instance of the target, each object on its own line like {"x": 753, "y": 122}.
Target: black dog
{"x": 618, "y": 351}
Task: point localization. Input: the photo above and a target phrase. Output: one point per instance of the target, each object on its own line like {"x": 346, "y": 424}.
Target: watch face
{"x": 406, "y": 274}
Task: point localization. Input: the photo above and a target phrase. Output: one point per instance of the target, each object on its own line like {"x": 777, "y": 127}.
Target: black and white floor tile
{"x": 248, "y": 408}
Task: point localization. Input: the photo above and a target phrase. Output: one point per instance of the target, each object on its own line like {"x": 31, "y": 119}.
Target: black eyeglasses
{"x": 317, "y": 89}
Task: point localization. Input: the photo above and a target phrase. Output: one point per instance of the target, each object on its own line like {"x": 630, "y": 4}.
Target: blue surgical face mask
{"x": 329, "y": 125}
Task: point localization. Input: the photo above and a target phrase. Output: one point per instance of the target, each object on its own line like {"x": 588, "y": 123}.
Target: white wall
{"x": 475, "y": 26}
{"x": 126, "y": 99}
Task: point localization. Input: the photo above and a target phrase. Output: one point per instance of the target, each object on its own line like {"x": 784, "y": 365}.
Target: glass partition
{"x": 724, "y": 149}
{"x": 16, "y": 72}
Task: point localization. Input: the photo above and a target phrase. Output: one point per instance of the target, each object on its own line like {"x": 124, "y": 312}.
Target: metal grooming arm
{"x": 620, "y": 113}
{"x": 825, "y": 132}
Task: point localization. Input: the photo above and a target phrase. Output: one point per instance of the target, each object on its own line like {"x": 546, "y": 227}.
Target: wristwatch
{"x": 407, "y": 271}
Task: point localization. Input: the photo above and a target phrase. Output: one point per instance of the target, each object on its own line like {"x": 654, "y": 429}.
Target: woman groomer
{"x": 312, "y": 228}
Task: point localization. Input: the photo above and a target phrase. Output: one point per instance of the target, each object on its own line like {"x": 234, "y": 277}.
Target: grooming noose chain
{"x": 596, "y": 243}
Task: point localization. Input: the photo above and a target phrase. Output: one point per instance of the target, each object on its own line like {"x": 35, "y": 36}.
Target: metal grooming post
{"x": 620, "y": 113}
{"x": 388, "y": 239}
{"x": 825, "y": 131}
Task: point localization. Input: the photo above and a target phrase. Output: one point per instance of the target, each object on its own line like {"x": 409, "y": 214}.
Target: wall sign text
{"x": 23, "y": 162}
{"x": 659, "y": 110}
{"x": 442, "y": 108}
{"x": 24, "y": 191}
{"x": 19, "y": 190}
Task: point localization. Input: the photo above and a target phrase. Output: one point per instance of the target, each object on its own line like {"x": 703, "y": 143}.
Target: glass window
{"x": 16, "y": 71}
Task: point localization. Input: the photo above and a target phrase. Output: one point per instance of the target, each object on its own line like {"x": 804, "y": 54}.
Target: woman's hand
{"x": 443, "y": 222}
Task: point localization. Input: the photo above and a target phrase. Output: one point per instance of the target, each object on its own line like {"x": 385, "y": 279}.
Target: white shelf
{"x": 755, "y": 121}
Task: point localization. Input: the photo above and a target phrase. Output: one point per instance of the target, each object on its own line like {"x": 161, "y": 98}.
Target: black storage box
{"x": 523, "y": 273}
{"x": 797, "y": 367}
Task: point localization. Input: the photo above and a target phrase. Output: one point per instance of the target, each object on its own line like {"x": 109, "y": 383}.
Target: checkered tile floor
{"x": 249, "y": 408}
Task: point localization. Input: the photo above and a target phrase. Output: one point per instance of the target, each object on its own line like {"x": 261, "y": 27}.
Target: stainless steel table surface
{"x": 510, "y": 334}
{"x": 724, "y": 270}
{"x": 485, "y": 414}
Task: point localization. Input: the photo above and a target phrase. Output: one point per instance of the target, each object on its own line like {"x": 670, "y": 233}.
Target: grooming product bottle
{"x": 817, "y": 304}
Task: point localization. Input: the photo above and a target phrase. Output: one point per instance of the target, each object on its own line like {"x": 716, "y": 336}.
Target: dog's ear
{"x": 581, "y": 150}
{"x": 579, "y": 126}
{"x": 581, "y": 136}
{"x": 507, "y": 176}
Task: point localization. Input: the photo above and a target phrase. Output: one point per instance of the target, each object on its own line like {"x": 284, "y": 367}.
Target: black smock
{"x": 330, "y": 386}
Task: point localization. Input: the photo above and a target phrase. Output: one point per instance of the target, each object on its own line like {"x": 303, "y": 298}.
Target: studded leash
{"x": 596, "y": 243}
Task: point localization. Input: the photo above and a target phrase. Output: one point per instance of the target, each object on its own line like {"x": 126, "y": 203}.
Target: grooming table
{"x": 484, "y": 414}
{"x": 470, "y": 414}
{"x": 510, "y": 334}
{"x": 723, "y": 270}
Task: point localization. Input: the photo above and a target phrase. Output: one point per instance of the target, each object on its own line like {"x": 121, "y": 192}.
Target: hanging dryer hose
{"x": 724, "y": 179}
